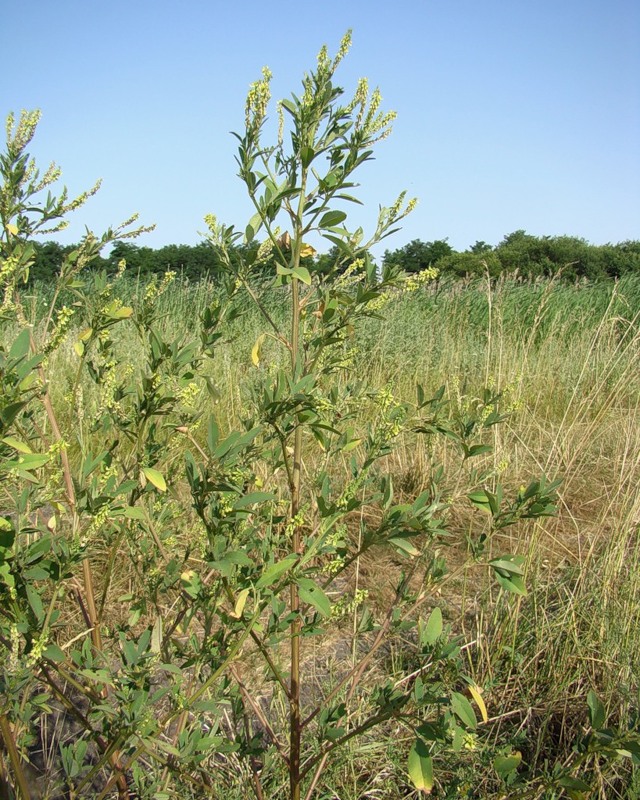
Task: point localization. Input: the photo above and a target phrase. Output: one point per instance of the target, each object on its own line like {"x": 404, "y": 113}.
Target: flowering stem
{"x": 296, "y": 544}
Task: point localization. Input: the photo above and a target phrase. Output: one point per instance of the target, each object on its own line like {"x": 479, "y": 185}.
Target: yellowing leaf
{"x": 477, "y": 696}
{"x": 116, "y": 311}
{"x": 351, "y": 445}
{"x": 21, "y": 447}
{"x": 420, "y": 767}
{"x": 86, "y": 334}
{"x": 306, "y": 250}
{"x": 13, "y": 229}
{"x": 79, "y": 348}
{"x": 285, "y": 241}
{"x": 240, "y": 603}
{"x": 156, "y": 636}
{"x": 255, "y": 352}
{"x": 155, "y": 477}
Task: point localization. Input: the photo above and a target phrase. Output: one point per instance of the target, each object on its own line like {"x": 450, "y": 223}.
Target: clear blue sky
{"x": 511, "y": 113}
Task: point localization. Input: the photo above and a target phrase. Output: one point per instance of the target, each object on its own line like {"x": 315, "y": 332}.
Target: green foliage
{"x": 166, "y": 573}
{"x": 417, "y": 256}
{"x": 518, "y": 254}
{"x": 524, "y": 255}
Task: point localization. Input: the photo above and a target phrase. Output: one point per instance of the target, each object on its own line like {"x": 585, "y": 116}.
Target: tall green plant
{"x": 302, "y": 183}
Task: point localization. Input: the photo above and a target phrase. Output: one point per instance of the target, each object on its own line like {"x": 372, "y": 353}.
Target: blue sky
{"x": 511, "y": 113}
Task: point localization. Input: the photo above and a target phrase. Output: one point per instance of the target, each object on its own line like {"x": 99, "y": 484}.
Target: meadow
{"x": 566, "y": 358}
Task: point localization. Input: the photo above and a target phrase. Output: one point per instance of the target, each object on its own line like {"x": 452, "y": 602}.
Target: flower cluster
{"x": 258, "y": 101}
{"x": 391, "y": 414}
{"x": 63, "y": 320}
{"x": 418, "y": 279}
{"x": 346, "y": 605}
{"x": 155, "y": 289}
{"x": 25, "y": 128}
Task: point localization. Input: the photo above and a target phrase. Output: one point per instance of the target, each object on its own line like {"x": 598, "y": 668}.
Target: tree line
{"x": 518, "y": 253}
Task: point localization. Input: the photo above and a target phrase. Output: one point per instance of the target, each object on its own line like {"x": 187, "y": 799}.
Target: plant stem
{"x": 295, "y": 726}
{"x": 295, "y": 721}
{"x": 14, "y": 757}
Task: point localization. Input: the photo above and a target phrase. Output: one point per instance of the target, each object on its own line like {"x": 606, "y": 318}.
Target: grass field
{"x": 567, "y": 358}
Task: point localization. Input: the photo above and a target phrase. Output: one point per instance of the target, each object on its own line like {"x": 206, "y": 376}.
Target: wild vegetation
{"x": 312, "y": 532}
{"x": 518, "y": 254}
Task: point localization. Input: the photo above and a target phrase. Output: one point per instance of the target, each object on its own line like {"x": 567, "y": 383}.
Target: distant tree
{"x": 480, "y": 247}
{"x": 464, "y": 265}
{"x": 622, "y": 258}
{"x": 49, "y": 257}
{"x": 571, "y": 256}
{"x": 139, "y": 259}
{"x": 48, "y": 260}
{"x": 418, "y": 255}
{"x": 529, "y": 256}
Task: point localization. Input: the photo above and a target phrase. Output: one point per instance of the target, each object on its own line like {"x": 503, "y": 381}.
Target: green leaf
{"x": 433, "y": 628}
{"x": 7, "y": 534}
{"x": 509, "y": 564}
{"x": 463, "y": 709}
{"x": 191, "y": 583}
{"x": 596, "y": 710}
{"x": 513, "y": 584}
{"x": 505, "y": 765}
{"x": 273, "y": 572}
{"x": 307, "y": 154}
{"x": 33, "y": 460}
{"x": 134, "y": 512}
{"x": 312, "y": 594}
{"x": 10, "y": 412}
{"x": 480, "y": 500}
{"x": 6, "y": 577}
{"x": 156, "y": 478}
{"x": 212, "y": 434}
{"x": 35, "y": 602}
{"x": 574, "y": 784}
{"x": 478, "y": 449}
{"x": 252, "y": 499}
{"x": 54, "y": 653}
{"x": 21, "y": 345}
{"x": 508, "y": 572}
{"x": 302, "y": 274}
{"x": 420, "y": 767}
{"x": 331, "y": 219}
